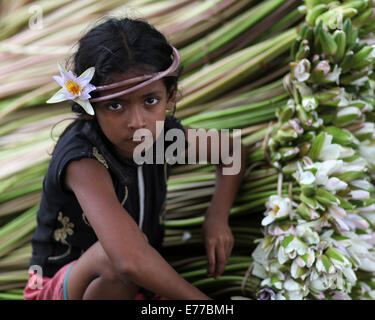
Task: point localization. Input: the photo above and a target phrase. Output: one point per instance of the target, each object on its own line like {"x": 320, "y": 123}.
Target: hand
{"x": 219, "y": 242}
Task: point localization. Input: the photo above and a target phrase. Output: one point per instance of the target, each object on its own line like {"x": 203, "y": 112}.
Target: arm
{"x": 217, "y": 233}
{"x": 120, "y": 236}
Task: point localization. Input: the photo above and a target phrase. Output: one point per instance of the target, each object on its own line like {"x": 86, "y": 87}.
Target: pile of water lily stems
{"x": 296, "y": 77}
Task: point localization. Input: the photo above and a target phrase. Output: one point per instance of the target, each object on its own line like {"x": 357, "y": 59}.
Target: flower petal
{"x": 86, "y": 76}
{"x": 267, "y": 220}
{"x": 86, "y": 105}
{"x": 57, "y": 97}
{"x": 59, "y": 80}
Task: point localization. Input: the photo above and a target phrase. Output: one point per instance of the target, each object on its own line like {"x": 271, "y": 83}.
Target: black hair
{"x": 116, "y": 46}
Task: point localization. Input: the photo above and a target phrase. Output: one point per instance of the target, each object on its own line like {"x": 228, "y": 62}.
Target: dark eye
{"x": 152, "y": 101}
{"x": 115, "y": 106}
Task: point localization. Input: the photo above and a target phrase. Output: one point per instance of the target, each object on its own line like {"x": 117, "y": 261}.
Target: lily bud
{"x": 306, "y": 212}
{"x": 288, "y": 153}
{"x": 325, "y": 197}
{"x": 286, "y": 112}
{"x": 319, "y": 72}
{"x": 310, "y": 202}
{"x": 346, "y": 115}
{"x": 340, "y": 136}
{"x": 301, "y": 70}
{"x": 366, "y": 132}
{"x": 309, "y": 103}
{"x": 290, "y": 168}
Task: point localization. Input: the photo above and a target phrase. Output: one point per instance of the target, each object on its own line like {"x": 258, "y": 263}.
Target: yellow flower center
{"x": 276, "y": 210}
{"x": 73, "y": 87}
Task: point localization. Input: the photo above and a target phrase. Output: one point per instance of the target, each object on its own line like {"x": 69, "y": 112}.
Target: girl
{"x": 100, "y": 229}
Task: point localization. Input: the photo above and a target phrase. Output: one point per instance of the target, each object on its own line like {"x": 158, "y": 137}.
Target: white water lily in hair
{"x": 277, "y": 208}
{"x": 75, "y": 88}
{"x": 302, "y": 70}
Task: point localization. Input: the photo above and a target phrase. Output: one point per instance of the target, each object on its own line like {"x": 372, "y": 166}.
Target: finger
{"x": 229, "y": 247}
{"x": 210, "y": 252}
{"x": 220, "y": 260}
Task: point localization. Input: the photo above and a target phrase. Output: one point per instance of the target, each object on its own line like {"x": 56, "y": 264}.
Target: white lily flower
{"x": 359, "y": 194}
{"x": 341, "y": 296}
{"x": 297, "y": 269}
{"x": 361, "y": 252}
{"x": 274, "y": 268}
{"x": 368, "y": 152}
{"x": 305, "y": 232}
{"x": 309, "y": 257}
{"x": 304, "y": 177}
{"x": 355, "y": 221}
{"x": 354, "y": 167}
{"x": 258, "y": 270}
{"x": 368, "y": 263}
{"x": 370, "y": 216}
{"x": 349, "y": 110}
{"x": 360, "y": 82}
{"x": 321, "y": 268}
{"x": 302, "y": 70}
{"x": 346, "y": 152}
{"x": 282, "y": 257}
{"x": 368, "y": 209}
{"x": 367, "y": 128}
{"x": 294, "y": 290}
{"x": 277, "y": 208}
{"x": 262, "y": 251}
{"x": 303, "y": 89}
{"x": 280, "y": 296}
{"x": 75, "y": 88}
{"x": 272, "y": 282}
{"x": 296, "y": 125}
{"x": 321, "y": 283}
{"x": 329, "y": 151}
{"x": 309, "y": 103}
{"x": 343, "y": 97}
{"x": 334, "y": 75}
{"x": 278, "y": 231}
{"x": 339, "y": 215}
{"x": 334, "y": 184}
{"x": 325, "y": 169}
{"x": 291, "y": 247}
{"x": 343, "y": 264}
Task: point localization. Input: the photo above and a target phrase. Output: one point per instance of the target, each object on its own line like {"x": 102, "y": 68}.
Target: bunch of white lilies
{"x": 319, "y": 242}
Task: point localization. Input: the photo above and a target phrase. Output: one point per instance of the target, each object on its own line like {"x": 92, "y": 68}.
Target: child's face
{"x": 120, "y": 117}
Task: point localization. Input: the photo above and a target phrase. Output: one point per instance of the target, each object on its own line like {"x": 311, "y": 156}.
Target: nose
{"x": 136, "y": 118}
